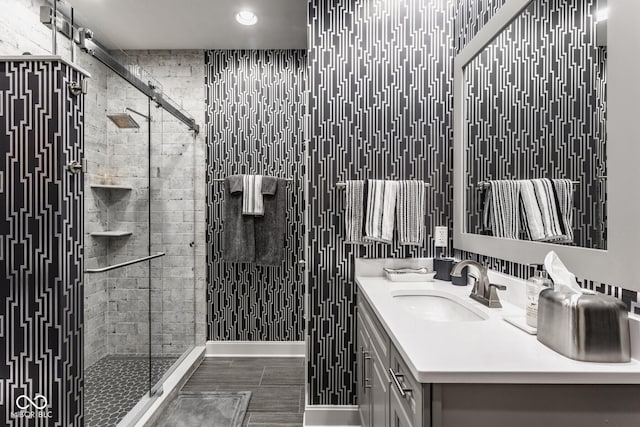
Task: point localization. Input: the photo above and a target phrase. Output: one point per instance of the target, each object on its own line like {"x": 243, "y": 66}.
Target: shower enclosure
{"x": 139, "y": 240}
{"x": 97, "y": 182}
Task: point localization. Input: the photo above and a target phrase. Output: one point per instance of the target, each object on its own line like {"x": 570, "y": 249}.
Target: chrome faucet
{"x": 483, "y": 291}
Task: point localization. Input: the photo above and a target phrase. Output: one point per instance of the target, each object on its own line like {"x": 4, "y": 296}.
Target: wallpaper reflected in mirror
{"x": 536, "y": 108}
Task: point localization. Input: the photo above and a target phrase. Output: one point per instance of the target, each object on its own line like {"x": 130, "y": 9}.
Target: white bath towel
{"x": 252, "y": 202}
{"x": 354, "y": 212}
{"x": 410, "y": 210}
{"x": 501, "y": 210}
{"x": 380, "y": 210}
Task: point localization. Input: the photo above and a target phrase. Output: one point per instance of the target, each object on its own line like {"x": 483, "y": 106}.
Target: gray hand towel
{"x": 411, "y": 206}
{"x": 354, "y": 212}
{"x": 238, "y": 229}
{"x": 564, "y": 190}
{"x": 269, "y": 229}
{"x": 502, "y": 208}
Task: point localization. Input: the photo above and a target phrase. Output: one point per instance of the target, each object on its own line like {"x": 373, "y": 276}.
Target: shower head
{"x": 123, "y": 121}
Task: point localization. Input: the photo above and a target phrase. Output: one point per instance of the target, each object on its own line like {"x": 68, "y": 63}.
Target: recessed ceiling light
{"x": 246, "y": 17}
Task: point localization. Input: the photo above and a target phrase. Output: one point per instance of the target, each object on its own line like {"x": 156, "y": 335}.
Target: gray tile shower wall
{"x": 41, "y": 253}
{"x": 255, "y": 125}
{"x": 381, "y": 107}
{"x": 557, "y": 132}
{"x": 95, "y": 250}
{"x": 176, "y": 210}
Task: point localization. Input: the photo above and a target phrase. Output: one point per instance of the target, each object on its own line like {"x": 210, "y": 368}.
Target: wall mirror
{"x": 540, "y": 93}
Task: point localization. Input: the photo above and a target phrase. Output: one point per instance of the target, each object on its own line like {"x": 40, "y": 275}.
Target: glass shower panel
{"x": 117, "y": 356}
{"x": 172, "y": 232}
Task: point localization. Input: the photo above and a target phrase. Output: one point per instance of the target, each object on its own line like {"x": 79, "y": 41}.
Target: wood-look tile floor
{"x": 276, "y": 385}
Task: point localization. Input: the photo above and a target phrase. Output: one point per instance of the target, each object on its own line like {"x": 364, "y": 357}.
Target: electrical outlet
{"x": 441, "y": 237}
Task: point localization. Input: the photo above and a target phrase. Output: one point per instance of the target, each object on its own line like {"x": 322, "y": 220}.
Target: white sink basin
{"x": 436, "y": 306}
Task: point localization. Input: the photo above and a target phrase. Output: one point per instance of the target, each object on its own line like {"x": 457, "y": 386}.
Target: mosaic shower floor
{"x": 114, "y": 384}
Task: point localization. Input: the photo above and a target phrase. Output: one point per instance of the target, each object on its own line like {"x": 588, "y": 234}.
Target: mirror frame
{"x": 615, "y": 265}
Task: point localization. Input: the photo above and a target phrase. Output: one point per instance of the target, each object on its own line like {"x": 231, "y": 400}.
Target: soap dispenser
{"x": 536, "y": 283}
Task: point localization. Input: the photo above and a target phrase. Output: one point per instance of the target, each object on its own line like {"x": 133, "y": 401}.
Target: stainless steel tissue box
{"x": 591, "y": 328}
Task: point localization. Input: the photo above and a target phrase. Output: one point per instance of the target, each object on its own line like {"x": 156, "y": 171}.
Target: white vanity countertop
{"x": 488, "y": 351}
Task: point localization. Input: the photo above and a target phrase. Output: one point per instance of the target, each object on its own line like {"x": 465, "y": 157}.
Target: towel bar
{"x": 486, "y": 183}
{"x": 222, "y": 179}
{"x": 343, "y": 184}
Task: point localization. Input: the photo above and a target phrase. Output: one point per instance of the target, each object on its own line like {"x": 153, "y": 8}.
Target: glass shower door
{"x": 116, "y": 308}
{"x": 172, "y": 293}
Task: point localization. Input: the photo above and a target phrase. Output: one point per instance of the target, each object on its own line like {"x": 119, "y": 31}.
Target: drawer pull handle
{"x": 403, "y": 391}
{"x": 363, "y": 370}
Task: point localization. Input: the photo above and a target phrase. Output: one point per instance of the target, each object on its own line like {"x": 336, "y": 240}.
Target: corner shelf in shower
{"x": 115, "y": 233}
{"x": 112, "y": 187}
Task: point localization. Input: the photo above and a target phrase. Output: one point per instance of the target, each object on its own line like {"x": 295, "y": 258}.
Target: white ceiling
{"x": 194, "y": 24}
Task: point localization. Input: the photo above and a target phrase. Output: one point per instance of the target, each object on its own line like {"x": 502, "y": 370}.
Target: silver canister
{"x": 590, "y": 328}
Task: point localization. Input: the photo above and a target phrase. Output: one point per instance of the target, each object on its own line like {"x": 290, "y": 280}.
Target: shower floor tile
{"x": 114, "y": 384}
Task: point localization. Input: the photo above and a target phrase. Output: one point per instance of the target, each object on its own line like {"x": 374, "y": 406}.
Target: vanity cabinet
{"x": 373, "y": 362}
{"x": 388, "y": 394}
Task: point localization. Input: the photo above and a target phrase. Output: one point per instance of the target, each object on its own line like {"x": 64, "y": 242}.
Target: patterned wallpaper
{"x": 534, "y": 110}
{"x": 254, "y": 124}
{"x": 380, "y": 104}
{"x": 41, "y": 254}
{"x": 470, "y": 16}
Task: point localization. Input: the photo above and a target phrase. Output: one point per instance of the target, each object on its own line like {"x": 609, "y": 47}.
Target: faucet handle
{"x": 498, "y": 287}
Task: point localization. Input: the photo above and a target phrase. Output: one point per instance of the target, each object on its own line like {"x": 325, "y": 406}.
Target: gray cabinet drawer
{"x": 379, "y": 340}
{"x": 411, "y": 404}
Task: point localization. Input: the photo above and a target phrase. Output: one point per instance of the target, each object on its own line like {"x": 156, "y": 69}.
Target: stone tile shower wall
{"x": 177, "y": 202}
{"x": 174, "y": 212}
{"x": 255, "y": 125}
{"x": 380, "y": 106}
{"x": 95, "y": 250}
{"x": 556, "y": 132}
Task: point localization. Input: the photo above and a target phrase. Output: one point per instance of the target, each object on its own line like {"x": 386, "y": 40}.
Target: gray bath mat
{"x": 215, "y": 409}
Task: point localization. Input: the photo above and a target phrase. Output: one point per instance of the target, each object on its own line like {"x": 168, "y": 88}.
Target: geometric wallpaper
{"x": 533, "y": 110}
{"x": 380, "y": 96}
{"x": 41, "y": 233}
{"x": 255, "y": 125}
{"x": 381, "y": 107}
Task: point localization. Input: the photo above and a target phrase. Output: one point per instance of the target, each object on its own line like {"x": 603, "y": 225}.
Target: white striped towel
{"x": 411, "y": 212}
{"x": 501, "y": 210}
{"x": 380, "y": 210}
{"x": 543, "y": 214}
{"x": 252, "y": 203}
{"x": 354, "y": 212}
{"x": 531, "y": 215}
{"x": 548, "y": 204}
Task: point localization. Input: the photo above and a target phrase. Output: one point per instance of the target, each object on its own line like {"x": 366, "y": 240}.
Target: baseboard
{"x": 255, "y": 349}
{"x": 331, "y": 416}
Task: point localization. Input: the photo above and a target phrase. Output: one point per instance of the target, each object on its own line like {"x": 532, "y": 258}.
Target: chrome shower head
{"x": 123, "y": 121}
